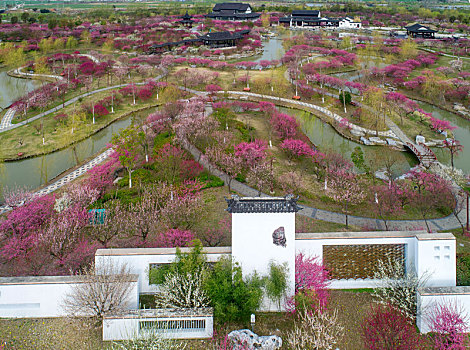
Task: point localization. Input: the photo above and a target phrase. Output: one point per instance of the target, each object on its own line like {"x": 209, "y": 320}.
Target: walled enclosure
{"x": 429, "y": 298}
{"x": 42, "y": 296}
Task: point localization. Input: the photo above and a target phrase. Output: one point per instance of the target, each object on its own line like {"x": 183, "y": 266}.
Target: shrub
{"x": 233, "y": 297}
{"x": 386, "y": 328}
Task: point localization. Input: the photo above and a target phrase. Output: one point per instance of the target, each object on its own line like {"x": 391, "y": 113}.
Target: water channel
{"x": 34, "y": 172}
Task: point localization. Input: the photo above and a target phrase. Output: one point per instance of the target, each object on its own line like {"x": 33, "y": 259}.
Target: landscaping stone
{"x": 377, "y": 140}
{"x": 246, "y": 339}
{"x": 357, "y": 132}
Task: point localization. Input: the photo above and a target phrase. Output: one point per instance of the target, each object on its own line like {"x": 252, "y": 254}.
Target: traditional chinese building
{"x": 223, "y": 39}
{"x": 233, "y": 11}
{"x": 187, "y": 20}
{"x": 418, "y": 30}
{"x": 312, "y": 18}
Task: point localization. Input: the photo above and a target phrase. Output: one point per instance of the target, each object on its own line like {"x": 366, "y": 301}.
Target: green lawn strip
{"x": 58, "y": 136}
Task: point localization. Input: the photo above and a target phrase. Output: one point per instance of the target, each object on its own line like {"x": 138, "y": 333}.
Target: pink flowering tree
{"x": 432, "y": 194}
{"x": 284, "y": 125}
{"x": 251, "y": 153}
{"x": 126, "y": 145}
{"x": 386, "y": 202}
{"x": 345, "y": 188}
{"x": 175, "y": 238}
{"x": 454, "y": 147}
{"x": 311, "y": 279}
{"x": 448, "y": 322}
{"x": 297, "y": 149}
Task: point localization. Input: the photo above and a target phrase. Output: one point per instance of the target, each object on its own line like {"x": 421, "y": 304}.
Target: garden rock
{"x": 246, "y": 339}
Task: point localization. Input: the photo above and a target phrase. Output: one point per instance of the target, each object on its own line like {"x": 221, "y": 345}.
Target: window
{"x": 178, "y": 325}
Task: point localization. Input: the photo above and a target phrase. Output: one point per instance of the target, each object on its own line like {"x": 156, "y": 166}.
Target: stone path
{"x": 446, "y": 223}
{"x": 67, "y": 103}
{"x": 7, "y": 118}
{"x": 69, "y": 177}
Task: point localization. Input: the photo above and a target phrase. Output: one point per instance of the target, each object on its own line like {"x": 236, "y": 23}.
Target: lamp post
{"x": 467, "y": 191}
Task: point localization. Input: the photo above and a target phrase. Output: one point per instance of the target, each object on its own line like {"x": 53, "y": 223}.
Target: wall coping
{"x": 161, "y": 313}
{"x": 457, "y": 290}
{"x": 158, "y": 251}
{"x": 419, "y": 235}
{"x": 25, "y": 280}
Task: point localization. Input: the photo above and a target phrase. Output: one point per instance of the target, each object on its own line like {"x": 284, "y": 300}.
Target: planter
{"x": 246, "y": 89}
{"x": 296, "y": 97}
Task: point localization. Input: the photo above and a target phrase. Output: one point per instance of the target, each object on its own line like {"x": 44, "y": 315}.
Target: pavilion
{"x": 418, "y": 30}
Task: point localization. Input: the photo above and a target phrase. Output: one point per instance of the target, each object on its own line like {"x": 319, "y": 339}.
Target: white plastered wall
{"x": 138, "y": 260}
{"x": 253, "y": 247}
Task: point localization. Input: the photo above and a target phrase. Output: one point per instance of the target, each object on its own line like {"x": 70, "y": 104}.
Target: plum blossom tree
{"x": 345, "y": 188}
{"x": 448, "y": 323}
{"x": 432, "y": 193}
{"x": 454, "y": 147}
{"x": 126, "y": 145}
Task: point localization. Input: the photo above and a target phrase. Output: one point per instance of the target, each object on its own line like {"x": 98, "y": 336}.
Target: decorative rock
{"x": 246, "y": 339}
{"x": 377, "y": 140}
{"x": 357, "y": 132}
{"x": 365, "y": 141}
{"x": 420, "y": 139}
{"x": 391, "y": 142}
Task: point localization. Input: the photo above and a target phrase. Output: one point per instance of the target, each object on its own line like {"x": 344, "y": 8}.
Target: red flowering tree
{"x": 297, "y": 148}
{"x": 386, "y": 328}
{"x": 449, "y": 325}
{"x": 175, "y": 238}
{"x": 284, "y": 125}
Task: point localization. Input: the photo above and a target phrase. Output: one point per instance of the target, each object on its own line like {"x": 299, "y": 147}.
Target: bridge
{"x": 424, "y": 154}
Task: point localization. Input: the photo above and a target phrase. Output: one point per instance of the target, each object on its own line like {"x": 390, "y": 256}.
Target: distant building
{"x": 233, "y": 11}
{"x": 223, "y": 39}
{"x": 418, "y": 30}
{"x": 186, "y": 20}
{"x": 312, "y": 18}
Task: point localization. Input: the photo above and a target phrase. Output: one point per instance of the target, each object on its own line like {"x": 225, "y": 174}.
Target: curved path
{"x": 10, "y": 126}
{"x": 446, "y": 223}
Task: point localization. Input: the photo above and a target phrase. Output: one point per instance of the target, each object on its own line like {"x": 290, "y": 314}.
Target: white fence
{"x": 175, "y": 324}
{"x": 42, "y": 296}
{"x": 139, "y": 260}
{"x": 430, "y": 254}
{"x": 429, "y": 298}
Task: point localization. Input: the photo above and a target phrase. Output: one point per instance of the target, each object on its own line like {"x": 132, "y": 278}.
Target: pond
{"x": 462, "y": 133}
{"x": 13, "y": 88}
{"x": 34, "y": 172}
{"x": 326, "y": 138}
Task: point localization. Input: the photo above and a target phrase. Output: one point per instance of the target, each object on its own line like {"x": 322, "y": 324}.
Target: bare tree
{"x": 101, "y": 291}
{"x": 315, "y": 329}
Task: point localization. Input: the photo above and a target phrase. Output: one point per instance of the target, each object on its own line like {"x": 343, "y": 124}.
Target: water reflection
{"x": 462, "y": 133}
{"x": 326, "y": 138}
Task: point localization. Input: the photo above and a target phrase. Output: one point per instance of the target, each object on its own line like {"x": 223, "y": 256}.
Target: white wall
{"x": 41, "y": 296}
{"x": 432, "y": 255}
{"x": 428, "y": 298}
{"x": 122, "y": 328}
{"x": 253, "y": 247}
{"x": 437, "y": 258}
{"x": 139, "y": 259}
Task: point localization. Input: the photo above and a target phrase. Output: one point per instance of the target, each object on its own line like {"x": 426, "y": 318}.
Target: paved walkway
{"x": 10, "y": 126}
{"x": 69, "y": 177}
{"x": 7, "y": 118}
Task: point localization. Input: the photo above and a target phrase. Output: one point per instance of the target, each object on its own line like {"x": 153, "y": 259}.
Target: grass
{"x": 28, "y": 140}
{"x": 73, "y": 334}
{"x": 312, "y": 192}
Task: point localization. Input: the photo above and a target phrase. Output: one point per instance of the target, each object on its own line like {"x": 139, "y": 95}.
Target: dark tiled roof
{"x": 419, "y": 28}
{"x": 287, "y": 204}
{"x": 306, "y": 13}
{"x": 224, "y": 35}
{"x": 231, "y": 6}
{"x": 230, "y": 14}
